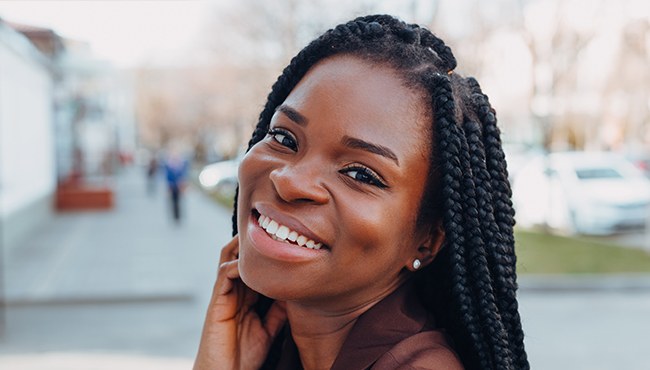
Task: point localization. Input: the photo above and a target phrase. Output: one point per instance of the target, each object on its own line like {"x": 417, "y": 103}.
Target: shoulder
{"x": 427, "y": 350}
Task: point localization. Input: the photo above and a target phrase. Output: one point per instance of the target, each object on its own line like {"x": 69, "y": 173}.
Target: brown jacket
{"x": 396, "y": 333}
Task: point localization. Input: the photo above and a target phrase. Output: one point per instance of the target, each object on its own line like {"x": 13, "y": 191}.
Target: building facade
{"x": 27, "y": 152}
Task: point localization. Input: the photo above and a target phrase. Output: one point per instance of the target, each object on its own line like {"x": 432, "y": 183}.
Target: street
{"x": 586, "y": 330}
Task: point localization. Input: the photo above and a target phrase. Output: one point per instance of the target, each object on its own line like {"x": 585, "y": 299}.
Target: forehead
{"x": 366, "y": 100}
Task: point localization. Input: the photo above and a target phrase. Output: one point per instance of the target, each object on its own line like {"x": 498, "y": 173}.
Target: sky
{"x": 126, "y": 33}
{"x": 152, "y": 32}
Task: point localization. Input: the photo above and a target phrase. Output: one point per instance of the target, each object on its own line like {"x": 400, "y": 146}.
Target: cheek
{"x": 257, "y": 165}
{"x": 373, "y": 227}
{"x": 250, "y": 168}
{"x": 382, "y": 229}
{"x": 253, "y": 168}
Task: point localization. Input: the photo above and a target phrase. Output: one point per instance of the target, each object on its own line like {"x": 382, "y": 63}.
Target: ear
{"x": 428, "y": 248}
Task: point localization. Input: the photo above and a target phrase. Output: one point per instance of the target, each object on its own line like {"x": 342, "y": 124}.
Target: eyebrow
{"x": 355, "y": 143}
{"x": 292, "y": 114}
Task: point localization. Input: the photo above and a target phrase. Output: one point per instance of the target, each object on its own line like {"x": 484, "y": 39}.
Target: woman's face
{"x": 343, "y": 168}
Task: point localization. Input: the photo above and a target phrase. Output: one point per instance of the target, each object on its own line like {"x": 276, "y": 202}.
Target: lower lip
{"x": 267, "y": 246}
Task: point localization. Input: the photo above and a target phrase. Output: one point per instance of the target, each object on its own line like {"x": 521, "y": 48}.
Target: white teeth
{"x": 283, "y": 233}
{"x": 278, "y": 239}
{"x": 272, "y": 227}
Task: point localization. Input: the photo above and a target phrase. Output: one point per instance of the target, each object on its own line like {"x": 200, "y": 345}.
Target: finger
{"x": 229, "y": 251}
{"x": 226, "y": 295}
{"x": 275, "y": 318}
{"x": 231, "y": 269}
{"x": 228, "y": 271}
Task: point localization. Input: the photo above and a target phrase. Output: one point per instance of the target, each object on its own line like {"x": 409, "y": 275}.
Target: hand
{"x": 234, "y": 337}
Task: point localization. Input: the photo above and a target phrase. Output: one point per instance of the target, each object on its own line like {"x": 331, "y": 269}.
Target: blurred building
{"x": 66, "y": 124}
{"x": 94, "y": 114}
{"x": 27, "y": 149}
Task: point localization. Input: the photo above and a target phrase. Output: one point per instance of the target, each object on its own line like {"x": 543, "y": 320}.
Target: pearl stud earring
{"x": 416, "y": 264}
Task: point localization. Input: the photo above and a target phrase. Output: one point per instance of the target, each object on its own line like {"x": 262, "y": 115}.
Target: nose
{"x": 300, "y": 182}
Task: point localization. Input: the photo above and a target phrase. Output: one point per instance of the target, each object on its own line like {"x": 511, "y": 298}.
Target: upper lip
{"x": 288, "y": 221}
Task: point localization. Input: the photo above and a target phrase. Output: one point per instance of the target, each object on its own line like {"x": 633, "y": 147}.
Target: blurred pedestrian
{"x": 152, "y": 171}
{"x": 176, "y": 171}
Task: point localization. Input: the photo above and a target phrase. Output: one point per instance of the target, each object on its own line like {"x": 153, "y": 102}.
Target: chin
{"x": 258, "y": 278}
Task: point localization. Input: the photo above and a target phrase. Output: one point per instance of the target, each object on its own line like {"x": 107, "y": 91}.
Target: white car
{"x": 220, "y": 177}
{"x": 594, "y": 193}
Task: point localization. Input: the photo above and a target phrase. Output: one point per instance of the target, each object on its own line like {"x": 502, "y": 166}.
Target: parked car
{"x": 594, "y": 193}
{"x": 220, "y": 176}
{"x": 518, "y": 156}
{"x": 641, "y": 159}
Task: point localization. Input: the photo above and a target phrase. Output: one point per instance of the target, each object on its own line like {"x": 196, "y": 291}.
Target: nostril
{"x": 299, "y": 183}
{"x": 304, "y": 200}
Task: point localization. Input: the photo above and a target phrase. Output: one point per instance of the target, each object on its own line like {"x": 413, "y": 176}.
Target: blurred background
{"x": 122, "y": 124}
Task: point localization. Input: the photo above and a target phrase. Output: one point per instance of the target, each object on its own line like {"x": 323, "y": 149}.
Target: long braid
{"x": 471, "y": 283}
{"x": 492, "y": 235}
{"x": 474, "y": 254}
{"x": 489, "y": 269}
{"x": 504, "y": 217}
{"x": 449, "y": 144}
{"x": 479, "y": 267}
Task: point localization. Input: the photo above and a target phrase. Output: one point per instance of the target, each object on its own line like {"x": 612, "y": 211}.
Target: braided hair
{"x": 471, "y": 285}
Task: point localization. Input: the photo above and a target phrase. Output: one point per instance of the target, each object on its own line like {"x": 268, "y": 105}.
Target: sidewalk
{"x": 613, "y": 283}
{"x": 128, "y": 281}
{"x": 133, "y": 252}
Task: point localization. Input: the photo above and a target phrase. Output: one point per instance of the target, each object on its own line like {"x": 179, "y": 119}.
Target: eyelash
{"x": 286, "y": 135}
{"x": 370, "y": 177}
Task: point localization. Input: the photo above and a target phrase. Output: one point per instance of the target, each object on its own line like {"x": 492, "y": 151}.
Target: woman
{"x": 373, "y": 224}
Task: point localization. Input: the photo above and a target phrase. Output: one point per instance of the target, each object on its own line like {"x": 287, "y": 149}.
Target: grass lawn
{"x": 539, "y": 253}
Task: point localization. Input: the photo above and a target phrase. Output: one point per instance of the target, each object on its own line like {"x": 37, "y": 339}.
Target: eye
{"x": 284, "y": 138}
{"x": 364, "y": 175}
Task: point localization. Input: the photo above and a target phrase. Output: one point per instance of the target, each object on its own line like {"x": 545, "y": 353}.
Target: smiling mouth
{"x": 282, "y": 233}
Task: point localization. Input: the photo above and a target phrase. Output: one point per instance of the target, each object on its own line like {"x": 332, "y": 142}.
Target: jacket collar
{"x": 395, "y": 318}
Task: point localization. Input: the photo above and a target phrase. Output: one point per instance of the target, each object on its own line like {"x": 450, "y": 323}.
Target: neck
{"x": 319, "y": 333}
